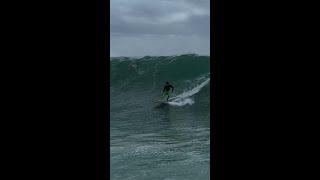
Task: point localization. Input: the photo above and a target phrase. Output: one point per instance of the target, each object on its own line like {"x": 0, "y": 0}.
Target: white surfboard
{"x": 162, "y": 101}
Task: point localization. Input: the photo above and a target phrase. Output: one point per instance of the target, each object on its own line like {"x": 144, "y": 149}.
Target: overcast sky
{"x": 159, "y": 27}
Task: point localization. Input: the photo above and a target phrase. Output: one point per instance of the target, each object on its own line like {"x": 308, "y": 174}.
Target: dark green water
{"x": 153, "y": 141}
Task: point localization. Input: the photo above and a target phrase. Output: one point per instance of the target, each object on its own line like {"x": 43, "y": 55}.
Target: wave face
{"x": 163, "y": 140}
{"x": 187, "y": 73}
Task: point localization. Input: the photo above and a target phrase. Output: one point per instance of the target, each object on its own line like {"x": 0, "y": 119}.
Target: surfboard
{"x": 172, "y": 98}
{"x": 162, "y": 101}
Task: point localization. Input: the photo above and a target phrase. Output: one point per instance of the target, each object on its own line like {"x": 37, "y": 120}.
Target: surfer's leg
{"x": 166, "y": 94}
{"x": 163, "y": 96}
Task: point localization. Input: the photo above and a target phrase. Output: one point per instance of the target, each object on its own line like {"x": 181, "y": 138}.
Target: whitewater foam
{"x": 193, "y": 91}
{"x": 183, "y": 98}
{"x": 182, "y": 102}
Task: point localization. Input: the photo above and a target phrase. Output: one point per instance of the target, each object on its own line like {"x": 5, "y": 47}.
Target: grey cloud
{"x": 195, "y": 25}
{"x": 159, "y": 45}
{"x": 164, "y": 26}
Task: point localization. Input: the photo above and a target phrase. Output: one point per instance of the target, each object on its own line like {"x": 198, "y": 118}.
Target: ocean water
{"x": 156, "y": 141}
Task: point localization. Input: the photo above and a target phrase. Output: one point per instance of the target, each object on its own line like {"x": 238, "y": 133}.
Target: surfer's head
{"x": 167, "y": 82}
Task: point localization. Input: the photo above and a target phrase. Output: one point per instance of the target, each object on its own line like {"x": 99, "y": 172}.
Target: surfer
{"x": 166, "y": 90}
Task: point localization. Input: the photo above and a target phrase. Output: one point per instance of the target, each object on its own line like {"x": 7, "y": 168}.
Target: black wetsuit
{"x": 166, "y": 90}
